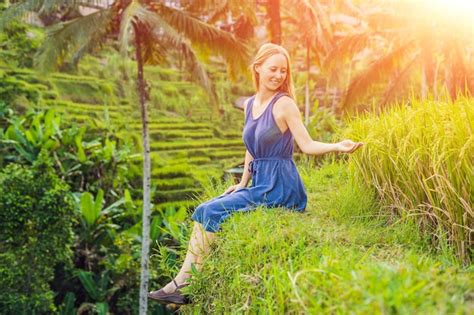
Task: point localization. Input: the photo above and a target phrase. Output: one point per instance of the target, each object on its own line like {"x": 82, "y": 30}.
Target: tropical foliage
{"x": 36, "y": 234}
{"x": 397, "y": 223}
{"x": 397, "y": 48}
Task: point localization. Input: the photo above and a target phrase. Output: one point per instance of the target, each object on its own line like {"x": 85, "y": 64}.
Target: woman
{"x": 272, "y": 122}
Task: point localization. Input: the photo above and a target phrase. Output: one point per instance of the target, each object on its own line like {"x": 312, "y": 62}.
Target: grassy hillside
{"x": 336, "y": 258}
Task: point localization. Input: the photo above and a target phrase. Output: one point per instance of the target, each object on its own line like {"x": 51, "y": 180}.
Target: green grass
{"x": 180, "y": 134}
{"x": 177, "y": 194}
{"x": 420, "y": 158}
{"x": 339, "y": 257}
{"x": 223, "y": 154}
{"x": 172, "y": 171}
{"x": 83, "y": 91}
{"x": 189, "y": 204}
{"x": 175, "y": 183}
{"x": 159, "y": 126}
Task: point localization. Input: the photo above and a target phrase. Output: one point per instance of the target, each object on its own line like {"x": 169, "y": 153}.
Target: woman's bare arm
{"x": 293, "y": 119}
{"x": 246, "y": 175}
{"x": 248, "y": 158}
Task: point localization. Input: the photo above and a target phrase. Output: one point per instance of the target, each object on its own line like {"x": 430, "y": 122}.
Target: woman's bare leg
{"x": 198, "y": 247}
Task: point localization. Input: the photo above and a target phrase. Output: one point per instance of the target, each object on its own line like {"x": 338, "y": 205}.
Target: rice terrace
{"x": 236, "y": 157}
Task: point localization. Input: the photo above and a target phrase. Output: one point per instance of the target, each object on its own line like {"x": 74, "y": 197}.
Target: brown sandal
{"x": 175, "y": 297}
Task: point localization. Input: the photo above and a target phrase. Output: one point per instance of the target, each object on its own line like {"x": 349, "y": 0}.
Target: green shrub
{"x": 36, "y": 215}
{"x": 18, "y": 45}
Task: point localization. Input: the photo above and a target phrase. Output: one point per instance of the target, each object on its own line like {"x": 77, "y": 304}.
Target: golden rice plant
{"x": 419, "y": 157}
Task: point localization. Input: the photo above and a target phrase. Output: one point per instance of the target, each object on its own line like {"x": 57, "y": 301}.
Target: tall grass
{"x": 419, "y": 158}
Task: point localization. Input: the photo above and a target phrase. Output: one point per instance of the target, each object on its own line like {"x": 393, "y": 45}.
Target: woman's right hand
{"x": 232, "y": 189}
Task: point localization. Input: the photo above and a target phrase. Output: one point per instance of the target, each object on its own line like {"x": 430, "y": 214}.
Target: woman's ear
{"x": 257, "y": 68}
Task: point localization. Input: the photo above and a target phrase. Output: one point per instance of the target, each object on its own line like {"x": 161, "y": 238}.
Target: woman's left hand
{"x": 348, "y": 146}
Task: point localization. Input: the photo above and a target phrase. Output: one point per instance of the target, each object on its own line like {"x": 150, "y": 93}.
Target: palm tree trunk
{"x": 273, "y": 7}
{"x": 306, "y": 103}
{"x": 146, "y": 175}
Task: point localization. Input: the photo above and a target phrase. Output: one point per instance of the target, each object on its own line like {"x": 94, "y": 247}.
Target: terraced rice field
{"x": 187, "y": 149}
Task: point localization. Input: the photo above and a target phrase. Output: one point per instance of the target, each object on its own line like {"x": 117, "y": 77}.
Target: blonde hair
{"x": 265, "y": 52}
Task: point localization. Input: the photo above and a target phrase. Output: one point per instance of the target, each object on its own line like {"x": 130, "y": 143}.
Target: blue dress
{"x": 275, "y": 179}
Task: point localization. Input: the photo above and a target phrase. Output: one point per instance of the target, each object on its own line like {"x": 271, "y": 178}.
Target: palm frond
{"x": 201, "y": 33}
{"x": 325, "y": 23}
{"x": 19, "y": 9}
{"x": 307, "y": 17}
{"x": 167, "y": 38}
{"x": 384, "y": 19}
{"x": 376, "y": 71}
{"x": 154, "y": 51}
{"x": 200, "y": 5}
{"x": 196, "y": 70}
{"x": 310, "y": 21}
{"x": 218, "y": 11}
{"x": 72, "y": 38}
{"x": 16, "y": 11}
{"x": 159, "y": 38}
{"x": 400, "y": 80}
{"x": 346, "y": 47}
{"x": 129, "y": 15}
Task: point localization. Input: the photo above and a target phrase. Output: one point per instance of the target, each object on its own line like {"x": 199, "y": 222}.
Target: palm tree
{"x": 396, "y": 46}
{"x": 156, "y": 30}
{"x": 313, "y": 29}
{"x": 238, "y": 17}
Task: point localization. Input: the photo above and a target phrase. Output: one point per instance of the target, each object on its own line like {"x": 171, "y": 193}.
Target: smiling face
{"x": 272, "y": 72}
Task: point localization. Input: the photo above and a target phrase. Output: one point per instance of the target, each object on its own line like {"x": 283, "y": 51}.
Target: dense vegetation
{"x": 88, "y": 128}
{"x": 387, "y": 230}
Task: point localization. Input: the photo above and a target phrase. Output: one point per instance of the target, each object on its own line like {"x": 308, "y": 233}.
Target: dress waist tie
{"x": 252, "y": 164}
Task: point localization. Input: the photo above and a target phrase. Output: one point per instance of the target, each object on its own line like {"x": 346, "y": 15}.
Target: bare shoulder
{"x": 285, "y": 105}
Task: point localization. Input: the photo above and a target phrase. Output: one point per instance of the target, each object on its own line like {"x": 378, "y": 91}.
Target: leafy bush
{"x": 86, "y": 160}
{"x": 18, "y": 45}
{"x": 36, "y": 215}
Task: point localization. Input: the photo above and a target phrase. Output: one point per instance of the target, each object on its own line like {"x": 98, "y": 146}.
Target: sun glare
{"x": 457, "y": 4}
{"x": 457, "y": 8}
{"x": 456, "y": 13}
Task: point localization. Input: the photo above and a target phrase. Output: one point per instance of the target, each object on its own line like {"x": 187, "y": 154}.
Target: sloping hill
{"x": 188, "y": 146}
{"x": 339, "y": 257}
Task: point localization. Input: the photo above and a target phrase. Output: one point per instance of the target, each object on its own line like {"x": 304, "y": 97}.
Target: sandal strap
{"x": 182, "y": 285}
